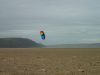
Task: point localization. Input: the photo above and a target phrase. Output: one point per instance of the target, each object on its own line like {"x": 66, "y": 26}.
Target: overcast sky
{"x": 64, "y": 21}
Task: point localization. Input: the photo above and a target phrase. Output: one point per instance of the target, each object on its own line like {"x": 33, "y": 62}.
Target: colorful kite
{"x": 42, "y": 35}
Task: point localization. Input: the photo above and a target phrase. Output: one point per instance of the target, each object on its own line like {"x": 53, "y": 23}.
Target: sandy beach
{"x": 49, "y": 61}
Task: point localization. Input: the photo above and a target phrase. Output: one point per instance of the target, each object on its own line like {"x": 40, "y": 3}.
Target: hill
{"x": 18, "y": 43}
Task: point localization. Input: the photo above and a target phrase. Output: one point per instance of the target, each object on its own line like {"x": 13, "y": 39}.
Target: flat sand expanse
{"x": 45, "y": 61}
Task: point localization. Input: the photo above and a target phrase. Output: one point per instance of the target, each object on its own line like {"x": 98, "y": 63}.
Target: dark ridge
{"x": 18, "y": 43}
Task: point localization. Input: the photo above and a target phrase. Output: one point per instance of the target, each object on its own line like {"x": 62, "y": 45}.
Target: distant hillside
{"x": 18, "y": 43}
{"x": 94, "y": 45}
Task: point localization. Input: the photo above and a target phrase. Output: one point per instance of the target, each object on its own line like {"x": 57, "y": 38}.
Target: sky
{"x": 63, "y": 21}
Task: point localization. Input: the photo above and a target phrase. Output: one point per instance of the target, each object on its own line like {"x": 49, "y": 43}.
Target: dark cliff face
{"x": 18, "y": 43}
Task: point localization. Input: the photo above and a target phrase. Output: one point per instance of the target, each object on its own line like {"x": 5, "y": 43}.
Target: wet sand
{"x": 49, "y": 61}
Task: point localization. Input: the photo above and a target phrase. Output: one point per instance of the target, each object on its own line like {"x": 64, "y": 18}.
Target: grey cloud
{"x": 60, "y": 19}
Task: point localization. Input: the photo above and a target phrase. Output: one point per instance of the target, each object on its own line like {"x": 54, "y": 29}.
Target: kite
{"x": 42, "y": 35}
